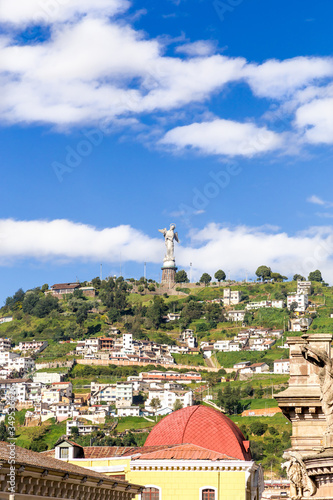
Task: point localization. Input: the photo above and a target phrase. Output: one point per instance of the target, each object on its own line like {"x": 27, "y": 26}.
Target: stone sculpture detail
{"x": 320, "y": 358}
{"x": 300, "y": 483}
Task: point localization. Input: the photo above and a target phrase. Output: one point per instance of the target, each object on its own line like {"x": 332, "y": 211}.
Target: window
{"x": 208, "y": 494}
{"x": 64, "y": 453}
{"x": 150, "y": 493}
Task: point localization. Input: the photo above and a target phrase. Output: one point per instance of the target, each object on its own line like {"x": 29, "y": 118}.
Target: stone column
{"x": 301, "y": 403}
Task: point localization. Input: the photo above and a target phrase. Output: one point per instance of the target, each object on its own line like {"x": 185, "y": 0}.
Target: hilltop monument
{"x": 169, "y": 262}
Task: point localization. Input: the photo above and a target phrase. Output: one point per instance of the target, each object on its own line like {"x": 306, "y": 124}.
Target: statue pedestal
{"x": 168, "y": 276}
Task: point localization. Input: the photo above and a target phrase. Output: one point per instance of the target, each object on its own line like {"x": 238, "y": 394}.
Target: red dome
{"x": 203, "y": 427}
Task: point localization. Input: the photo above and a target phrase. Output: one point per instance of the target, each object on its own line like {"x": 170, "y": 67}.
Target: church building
{"x": 195, "y": 453}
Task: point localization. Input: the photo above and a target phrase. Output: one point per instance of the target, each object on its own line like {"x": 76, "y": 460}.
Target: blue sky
{"x": 118, "y": 118}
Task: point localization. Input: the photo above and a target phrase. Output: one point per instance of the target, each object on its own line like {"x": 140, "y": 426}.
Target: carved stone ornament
{"x": 301, "y": 485}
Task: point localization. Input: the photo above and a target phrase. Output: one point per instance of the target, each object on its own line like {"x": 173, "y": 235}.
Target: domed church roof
{"x": 203, "y": 427}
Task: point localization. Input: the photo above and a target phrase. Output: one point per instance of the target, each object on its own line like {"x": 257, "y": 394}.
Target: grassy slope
{"x": 228, "y": 359}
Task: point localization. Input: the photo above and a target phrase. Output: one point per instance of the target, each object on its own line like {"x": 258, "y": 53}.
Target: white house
{"x": 304, "y": 287}
{"x": 21, "y": 365}
{"x": 207, "y": 351}
{"x": 168, "y": 398}
{"x": 5, "y": 344}
{"x": 222, "y": 345}
{"x": 93, "y": 344}
{"x": 241, "y": 364}
{"x": 6, "y": 319}
{"x": 235, "y": 346}
{"x": 84, "y": 428}
{"x": 63, "y": 410}
{"x": 128, "y": 347}
{"x": 231, "y": 297}
{"x": 33, "y": 345}
{"x": 301, "y": 301}
{"x": 173, "y": 316}
{"x": 48, "y": 377}
{"x": 255, "y": 368}
{"x": 282, "y": 366}
{"x": 128, "y": 411}
{"x": 265, "y": 304}
{"x": 120, "y": 394}
{"x": 236, "y": 315}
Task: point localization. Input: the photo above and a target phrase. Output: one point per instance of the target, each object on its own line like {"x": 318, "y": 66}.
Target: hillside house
{"x": 5, "y": 344}
{"x": 282, "y": 366}
{"x": 128, "y": 411}
{"x": 6, "y": 319}
{"x": 304, "y": 287}
{"x": 33, "y": 345}
{"x": 301, "y": 301}
{"x": 231, "y": 297}
{"x": 222, "y": 345}
{"x": 236, "y": 315}
{"x": 60, "y": 289}
{"x": 255, "y": 368}
{"x": 83, "y": 427}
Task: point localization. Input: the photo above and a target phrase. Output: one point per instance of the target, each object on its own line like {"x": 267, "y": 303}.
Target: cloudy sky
{"x": 119, "y": 117}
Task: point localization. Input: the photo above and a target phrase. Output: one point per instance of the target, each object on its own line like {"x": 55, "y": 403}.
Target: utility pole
{"x": 190, "y": 272}
{"x": 100, "y": 272}
{"x": 145, "y": 271}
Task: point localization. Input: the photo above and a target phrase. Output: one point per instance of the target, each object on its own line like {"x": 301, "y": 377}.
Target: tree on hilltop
{"x": 298, "y": 277}
{"x": 206, "y": 279}
{"x": 181, "y": 277}
{"x": 220, "y": 275}
{"x": 278, "y": 277}
{"x": 264, "y": 272}
{"x": 315, "y": 276}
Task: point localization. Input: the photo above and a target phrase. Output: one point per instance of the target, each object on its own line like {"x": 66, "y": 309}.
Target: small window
{"x": 64, "y": 453}
{"x": 208, "y": 494}
{"x": 150, "y": 494}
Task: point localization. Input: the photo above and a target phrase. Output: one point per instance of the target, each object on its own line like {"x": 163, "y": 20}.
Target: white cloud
{"x": 63, "y": 239}
{"x": 200, "y": 48}
{"x": 224, "y": 137}
{"x": 95, "y": 67}
{"x": 316, "y": 119}
{"x": 319, "y": 201}
{"x": 280, "y": 79}
{"x": 316, "y": 200}
{"x": 24, "y": 12}
{"x": 241, "y": 249}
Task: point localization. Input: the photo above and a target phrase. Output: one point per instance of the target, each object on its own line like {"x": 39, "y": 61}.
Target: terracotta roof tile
{"x": 31, "y": 458}
{"x": 184, "y": 452}
{"x": 201, "y": 426}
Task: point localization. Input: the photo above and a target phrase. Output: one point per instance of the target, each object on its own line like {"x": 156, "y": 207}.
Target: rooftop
{"x": 203, "y": 427}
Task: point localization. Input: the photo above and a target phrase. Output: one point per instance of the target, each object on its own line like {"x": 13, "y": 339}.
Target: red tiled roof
{"x": 201, "y": 426}
{"x": 28, "y": 457}
{"x": 111, "y": 451}
{"x": 64, "y": 286}
{"x": 183, "y": 452}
